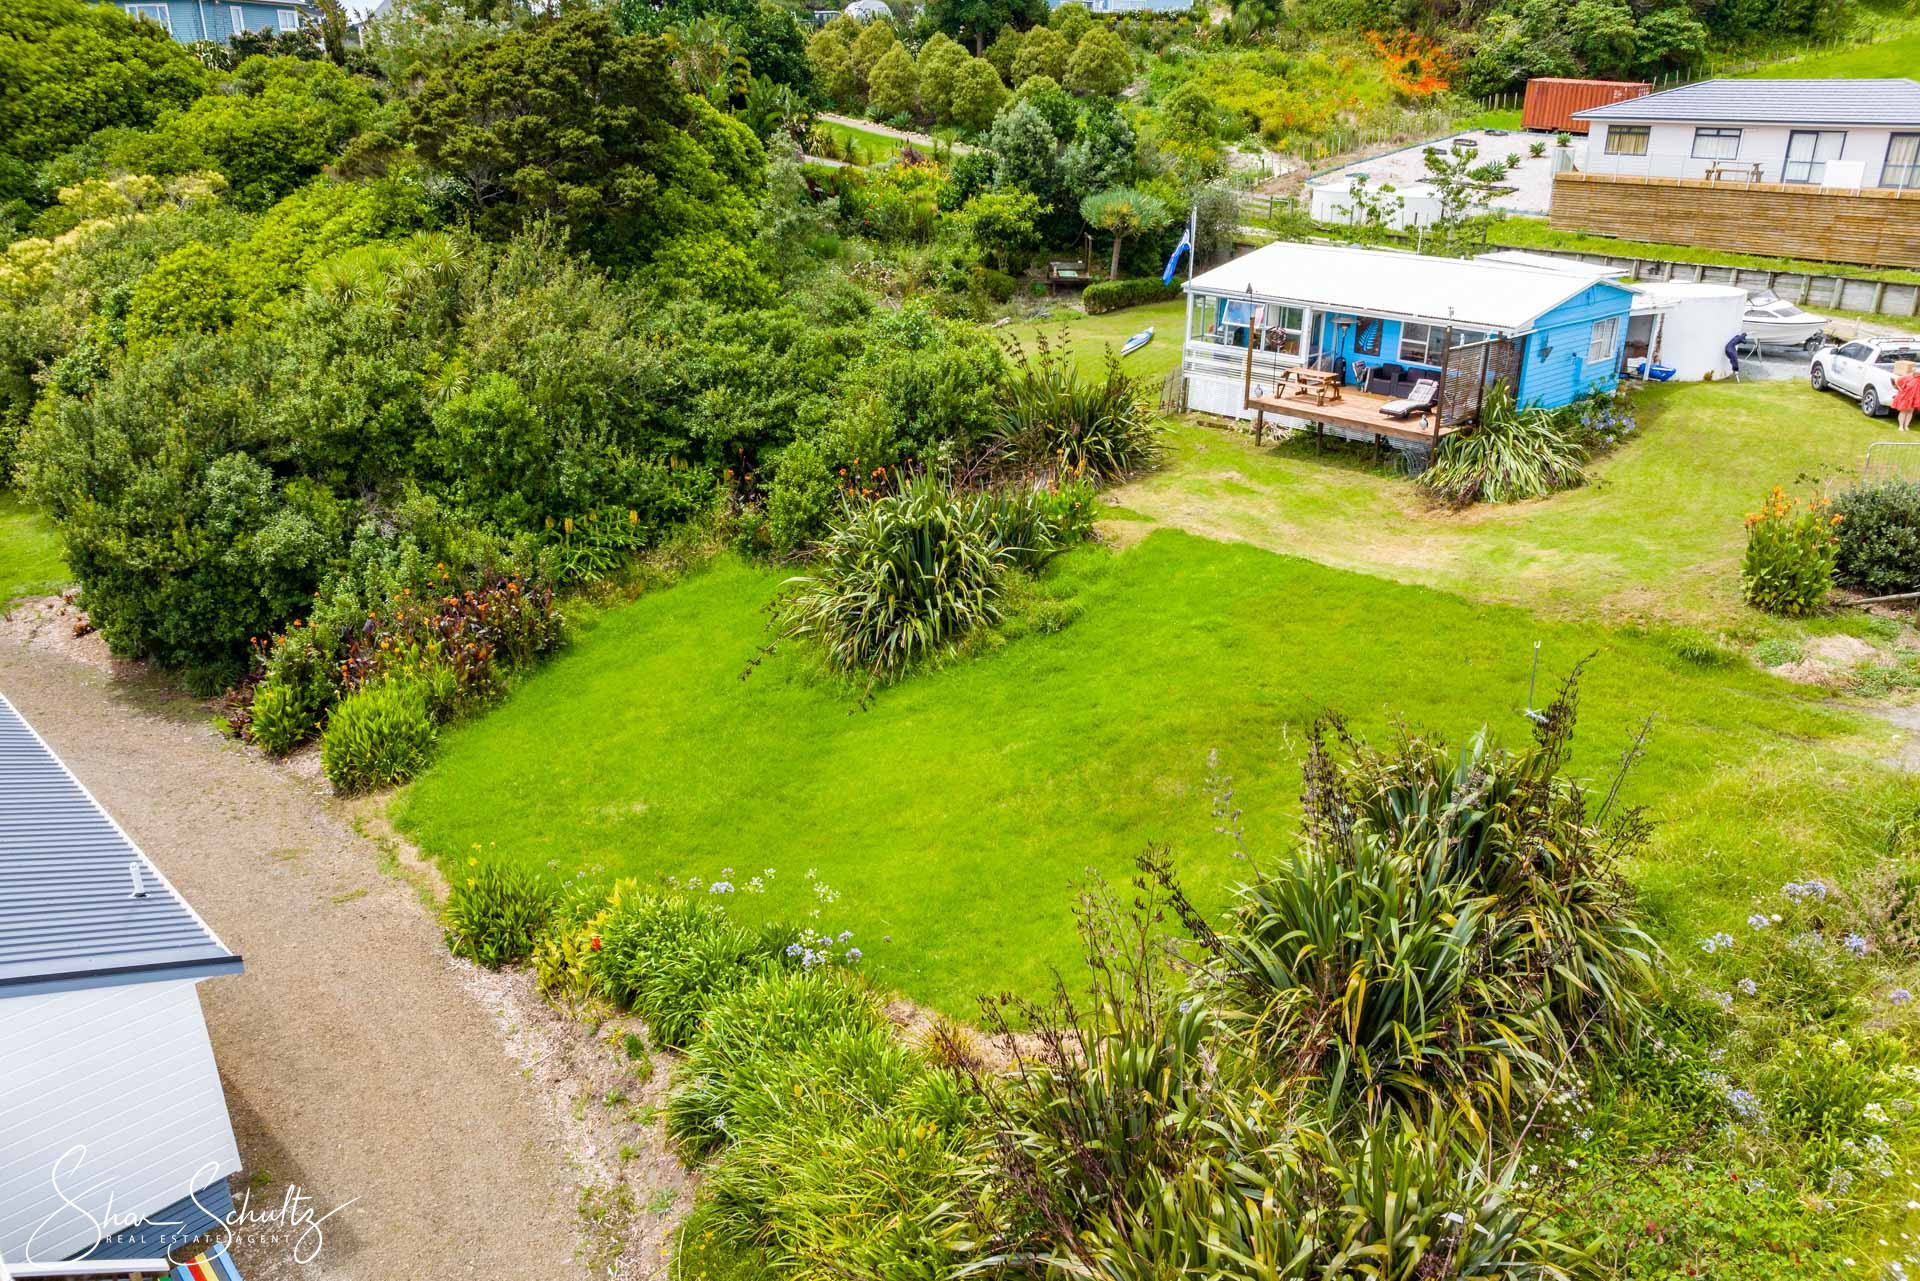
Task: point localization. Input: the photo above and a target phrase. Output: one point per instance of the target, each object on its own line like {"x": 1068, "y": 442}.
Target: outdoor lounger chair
{"x": 214, "y": 1265}
{"x": 1418, "y": 400}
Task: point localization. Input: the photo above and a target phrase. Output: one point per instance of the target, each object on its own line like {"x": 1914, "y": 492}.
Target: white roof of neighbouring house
{"x": 861, "y": 10}
{"x": 1771, "y": 102}
{"x": 1463, "y": 292}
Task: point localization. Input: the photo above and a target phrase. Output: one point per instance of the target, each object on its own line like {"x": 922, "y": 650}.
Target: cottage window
{"x": 1628, "y": 140}
{"x": 1716, "y": 144}
{"x": 154, "y": 12}
{"x": 1421, "y": 344}
{"x": 1606, "y": 334}
{"x": 1903, "y": 161}
{"x": 289, "y": 19}
{"x": 1808, "y": 151}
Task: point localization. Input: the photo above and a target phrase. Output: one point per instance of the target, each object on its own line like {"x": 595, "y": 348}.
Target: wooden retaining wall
{"x": 1876, "y": 228}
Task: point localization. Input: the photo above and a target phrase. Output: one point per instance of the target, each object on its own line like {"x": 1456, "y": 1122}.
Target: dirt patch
{"x": 1841, "y": 653}
{"x": 56, "y": 625}
{"x": 357, "y": 1061}
{"x": 607, "y": 1098}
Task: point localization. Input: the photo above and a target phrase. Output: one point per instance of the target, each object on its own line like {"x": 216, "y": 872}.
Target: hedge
{"x": 1112, "y": 295}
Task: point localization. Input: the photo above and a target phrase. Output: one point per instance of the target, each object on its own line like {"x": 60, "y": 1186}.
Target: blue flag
{"x": 1173, "y": 264}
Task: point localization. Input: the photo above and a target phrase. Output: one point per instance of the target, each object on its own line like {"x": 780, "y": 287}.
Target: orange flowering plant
{"x": 1791, "y": 550}
{"x": 1414, "y": 65}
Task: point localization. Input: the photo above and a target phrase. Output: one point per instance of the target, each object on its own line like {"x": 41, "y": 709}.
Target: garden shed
{"x": 1336, "y": 336}
{"x": 114, "y": 1137}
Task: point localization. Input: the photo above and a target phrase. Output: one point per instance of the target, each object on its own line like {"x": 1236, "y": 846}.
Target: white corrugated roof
{"x": 1465, "y": 292}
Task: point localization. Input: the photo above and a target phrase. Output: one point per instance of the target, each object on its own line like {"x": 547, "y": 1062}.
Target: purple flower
{"x": 1899, "y": 996}
{"x": 1855, "y": 944}
{"x": 1714, "y": 942}
{"x": 853, "y": 954}
{"x": 1759, "y": 921}
{"x": 1748, "y": 987}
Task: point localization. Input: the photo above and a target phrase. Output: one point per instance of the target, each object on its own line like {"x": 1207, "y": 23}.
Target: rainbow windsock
{"x": 214, "y": 1265}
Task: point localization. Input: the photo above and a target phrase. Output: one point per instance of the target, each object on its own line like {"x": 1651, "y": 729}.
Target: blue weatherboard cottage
{"x": 1343, "y": 337}
{"x": 221, "y": 20}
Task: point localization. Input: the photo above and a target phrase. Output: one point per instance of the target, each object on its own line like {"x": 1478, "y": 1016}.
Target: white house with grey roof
{"x": 1847, "y": 134}
{"x": 114, "y": 1136}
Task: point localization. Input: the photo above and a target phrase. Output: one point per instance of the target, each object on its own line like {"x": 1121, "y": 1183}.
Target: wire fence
{"x": 1891, "y": 460}
{"x": 1711, "y": 68}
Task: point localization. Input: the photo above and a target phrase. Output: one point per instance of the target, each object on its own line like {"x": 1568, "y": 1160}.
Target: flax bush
{"x": 1511, "y": 456}
{"x": 1052, "y": 417}
{"x": 900, "y": 579}
{"x": 1791, "y": 552}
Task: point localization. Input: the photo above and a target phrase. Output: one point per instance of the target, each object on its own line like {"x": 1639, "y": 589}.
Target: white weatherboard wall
{"x": 1670, "y": 151}
{"x": 129, "y": 1073}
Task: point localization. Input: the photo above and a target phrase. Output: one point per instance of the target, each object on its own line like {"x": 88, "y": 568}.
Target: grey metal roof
{"x": 1773, "y": 102}
{"x": 68, "y": 915}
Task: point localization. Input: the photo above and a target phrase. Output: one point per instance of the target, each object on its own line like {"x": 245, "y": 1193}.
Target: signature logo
{"x": 295, "y": 1222}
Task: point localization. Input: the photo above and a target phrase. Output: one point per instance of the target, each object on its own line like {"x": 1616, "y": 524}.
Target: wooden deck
{"x": 1355, "y": 411}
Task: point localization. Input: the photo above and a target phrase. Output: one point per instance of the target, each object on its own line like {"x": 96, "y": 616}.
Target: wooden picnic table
{"x": 1742, "y": 170}
{"x": 1322, "y": 386}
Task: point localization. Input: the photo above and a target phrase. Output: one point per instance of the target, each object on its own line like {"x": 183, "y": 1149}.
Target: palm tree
{"x": 1123, "y": 212}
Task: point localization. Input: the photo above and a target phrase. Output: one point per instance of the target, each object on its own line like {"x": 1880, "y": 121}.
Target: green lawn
{"x": 1883, "y": 60}
{"x": 1091, "y": 337}
{"x": 956, "y": 813}
{"x": 1657, "y": 537}
{"x": 30, "y": 563}
{"x": 864, "y": 147}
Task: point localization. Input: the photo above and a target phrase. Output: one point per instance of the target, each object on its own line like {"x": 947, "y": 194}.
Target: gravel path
{"x": 357, "y": 1062}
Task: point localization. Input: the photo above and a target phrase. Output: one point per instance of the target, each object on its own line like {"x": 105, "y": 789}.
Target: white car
{"x": 1863, "y": 368}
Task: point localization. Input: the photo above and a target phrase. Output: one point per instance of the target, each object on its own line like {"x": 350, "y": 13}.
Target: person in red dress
{"x": 1906, "y": 397}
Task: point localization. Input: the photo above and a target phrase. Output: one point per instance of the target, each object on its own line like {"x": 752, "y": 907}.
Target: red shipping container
{"x": 1551, "y": 102}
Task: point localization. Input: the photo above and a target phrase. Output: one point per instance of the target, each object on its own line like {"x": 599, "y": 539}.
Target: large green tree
{"x": 1124, "y": 212}
{"x": 68, "y": 69}
{"x": 978, "y": 22}
{"x": 573, "y": 121}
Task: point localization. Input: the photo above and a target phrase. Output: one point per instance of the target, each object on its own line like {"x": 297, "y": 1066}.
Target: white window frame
{"x": 1813, "y": 167}
{"x": 1718, "y": 137}
{"x": 1601, "y": 349}
{"x": 159, "y": 13}
{"x": 237, "y": 18}
{"x": 1430, "y": 334}
{"x": 289, "y": 19}
{"x": 1641, "y": 134}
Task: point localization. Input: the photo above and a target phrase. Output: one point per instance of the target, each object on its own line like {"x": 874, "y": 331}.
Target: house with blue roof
{"x": 221, "y": 20}
{"x": 114, "y": 1137}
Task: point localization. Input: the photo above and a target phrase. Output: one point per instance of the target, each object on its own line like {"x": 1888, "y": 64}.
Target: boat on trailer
{"x": 1772, "y": 321}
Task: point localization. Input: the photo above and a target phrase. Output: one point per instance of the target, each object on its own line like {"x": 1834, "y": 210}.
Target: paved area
{"x": 1531, "y": 183}
{"x": 356, "y": 1064}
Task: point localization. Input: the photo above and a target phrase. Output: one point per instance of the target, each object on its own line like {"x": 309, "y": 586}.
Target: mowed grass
{"x": 30, "y": 560}
{"x": 957, "y": 813}
{"x": 863, "y": 147}
{"x": 1657, "y": 537}
{"x": 1089, "y": 338}
{"x": 1893, "y": 59}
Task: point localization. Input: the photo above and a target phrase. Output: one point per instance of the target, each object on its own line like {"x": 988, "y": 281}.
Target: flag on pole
{"x": 1184, "y": 247}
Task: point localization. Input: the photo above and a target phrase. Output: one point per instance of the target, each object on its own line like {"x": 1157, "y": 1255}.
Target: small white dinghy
{"x": 1772, "y": 321}
{"x": 1138, "y": 341}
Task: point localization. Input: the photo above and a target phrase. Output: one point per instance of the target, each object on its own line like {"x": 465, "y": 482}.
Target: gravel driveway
{"x": 357, "y": 1064}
